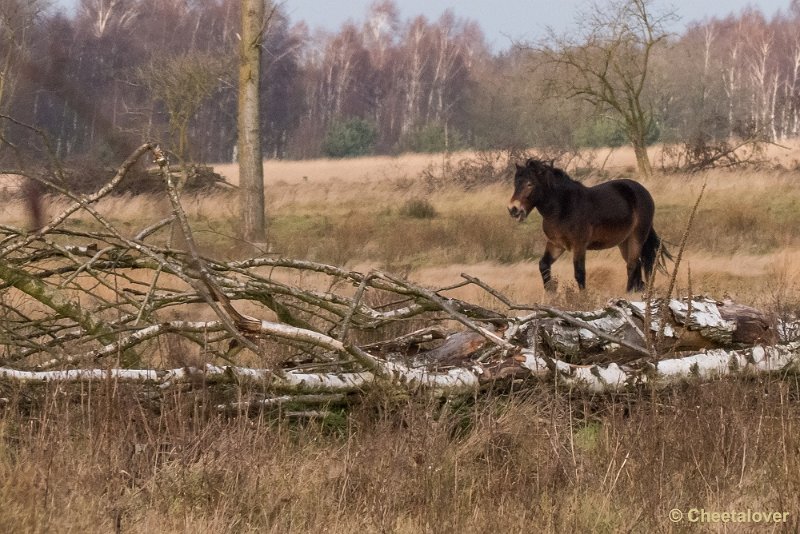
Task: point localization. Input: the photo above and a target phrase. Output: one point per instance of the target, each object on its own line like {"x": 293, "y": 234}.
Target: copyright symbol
{"x": 675, "y": 515}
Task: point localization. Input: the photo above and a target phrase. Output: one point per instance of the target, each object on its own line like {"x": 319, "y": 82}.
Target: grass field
{"x": 102, "y": 458}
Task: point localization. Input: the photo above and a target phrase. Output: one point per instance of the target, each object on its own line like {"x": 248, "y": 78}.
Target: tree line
{"x": 117, "y": 71}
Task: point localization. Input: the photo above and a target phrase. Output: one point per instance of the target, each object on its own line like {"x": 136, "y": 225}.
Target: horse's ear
{"x": 518, "y": 166}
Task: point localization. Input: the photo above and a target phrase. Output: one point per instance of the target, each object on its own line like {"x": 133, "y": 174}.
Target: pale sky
{"x": 502, "y": 20}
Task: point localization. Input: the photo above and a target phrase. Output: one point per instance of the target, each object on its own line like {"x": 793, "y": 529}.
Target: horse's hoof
{"x": 551, "y": 286}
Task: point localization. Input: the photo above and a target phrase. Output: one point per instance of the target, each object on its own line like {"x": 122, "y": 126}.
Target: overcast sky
{"x": 503, "y": 20}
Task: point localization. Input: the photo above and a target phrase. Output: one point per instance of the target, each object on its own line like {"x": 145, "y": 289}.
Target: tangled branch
{"x": 79, "y": 305}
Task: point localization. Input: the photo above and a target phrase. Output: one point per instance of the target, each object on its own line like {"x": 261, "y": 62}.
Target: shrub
{"x": 600, "y": 132}
{"x": 352, "y": 137}
{"x": 418, "y": 208}
{"x": 431, "y": 138}
{"x": 85, "y": 175}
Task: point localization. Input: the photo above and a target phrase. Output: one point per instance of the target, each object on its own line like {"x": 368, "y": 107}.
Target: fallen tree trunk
{"x": 699, "y": 323}
{"x": 527, "y": 363}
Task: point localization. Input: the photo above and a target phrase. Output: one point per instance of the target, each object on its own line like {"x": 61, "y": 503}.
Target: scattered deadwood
{"x": 78, "y": 305}
{"x": 702, "y": 154}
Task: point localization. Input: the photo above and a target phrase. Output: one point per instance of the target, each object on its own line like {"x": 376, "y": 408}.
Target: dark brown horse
{"x": 579, "y": 218}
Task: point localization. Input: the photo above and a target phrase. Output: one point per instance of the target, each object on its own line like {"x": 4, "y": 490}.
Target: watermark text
{"x": 701, "y": 515}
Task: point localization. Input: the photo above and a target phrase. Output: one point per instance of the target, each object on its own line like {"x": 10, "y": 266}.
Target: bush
{"x": 431, "y": 138}
{"x": 483, "y": 168}
{"x": 599, "y": 133}
{"x": 84, "y": 175}
{"x": 603, "y": 132}
{"x": 418, "y": 208}
{"x": 353, "y": 137}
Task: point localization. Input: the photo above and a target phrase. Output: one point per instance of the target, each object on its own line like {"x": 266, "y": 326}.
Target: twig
{"x": 444, "y": 306}
{"x": 678, "y": 257}
{"x": 224, "y": 312}
{"x": 496, "y": 294}
{"x": 423, "y": 335}
{"x": 79, "y": 202}
{"x": 356, "y": 301}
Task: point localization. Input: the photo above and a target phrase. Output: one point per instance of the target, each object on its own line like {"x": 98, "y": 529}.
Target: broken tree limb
{"x": 282, "y": 401}
{"x": 205, "y": 282}
{"x": 704, "y": 366}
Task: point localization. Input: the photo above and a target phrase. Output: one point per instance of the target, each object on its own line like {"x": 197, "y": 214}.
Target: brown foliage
{"x": 703, "y": 154}
{"x": 83, "y": 175}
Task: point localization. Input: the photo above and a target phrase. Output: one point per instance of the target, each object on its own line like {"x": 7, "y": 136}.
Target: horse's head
{"x": 528, "y": 185}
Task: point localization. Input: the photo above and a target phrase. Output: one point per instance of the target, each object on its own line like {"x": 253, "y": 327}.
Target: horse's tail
{"x": 654, "y": 254}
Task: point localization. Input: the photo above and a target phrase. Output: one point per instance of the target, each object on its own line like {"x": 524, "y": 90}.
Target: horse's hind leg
{"x": 631, "y": 251}
{"x": 551, "y": 253}
{"x": 579, "y": 263}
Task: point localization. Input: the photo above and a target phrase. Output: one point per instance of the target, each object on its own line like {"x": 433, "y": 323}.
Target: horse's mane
{"x": 541, "y": 167}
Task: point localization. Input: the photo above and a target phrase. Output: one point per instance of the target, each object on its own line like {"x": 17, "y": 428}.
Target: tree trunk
{"x": 251, "y": 169}
{"x": 642, "y": 159}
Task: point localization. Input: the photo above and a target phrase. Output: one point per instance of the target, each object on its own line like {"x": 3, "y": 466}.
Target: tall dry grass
{"x": 96, "y": 459}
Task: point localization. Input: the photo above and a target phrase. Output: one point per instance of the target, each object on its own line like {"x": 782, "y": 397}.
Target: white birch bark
{"x": 709, "y": 365}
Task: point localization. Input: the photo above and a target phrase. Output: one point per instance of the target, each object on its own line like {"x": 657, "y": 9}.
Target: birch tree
{"x": 106, "y": 16}
{"x": 251, "y": 168}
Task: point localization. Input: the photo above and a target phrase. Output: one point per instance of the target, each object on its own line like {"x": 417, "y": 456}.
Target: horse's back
{"x": 622, "y": 196}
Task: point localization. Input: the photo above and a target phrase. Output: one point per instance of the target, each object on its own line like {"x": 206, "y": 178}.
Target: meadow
{"x": 106, "y": 458}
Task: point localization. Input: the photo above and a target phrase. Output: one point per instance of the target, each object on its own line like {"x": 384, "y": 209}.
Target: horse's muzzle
{"x": 517, "y": 212}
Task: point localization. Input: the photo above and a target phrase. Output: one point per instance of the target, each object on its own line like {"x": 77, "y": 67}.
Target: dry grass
{"x": 100, "y": 458}
{"x": 95, "y": 460}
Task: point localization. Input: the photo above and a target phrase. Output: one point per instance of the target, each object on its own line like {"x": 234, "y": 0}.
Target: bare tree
{"x": 792, "y": 128}
{"x": 108, "y": 15}
{"x": 183, "y": 83}
{"x": 449, "y": 50}
{"x": 251, "y": 168}
{"x": 414, "y": 69}
{"x": 607, "y": 63}
{"x": 17, "y": 18}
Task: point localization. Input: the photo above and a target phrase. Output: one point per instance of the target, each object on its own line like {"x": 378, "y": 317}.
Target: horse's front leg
{"x": 579, "y": 263}
{"x": 551, "y": 253}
